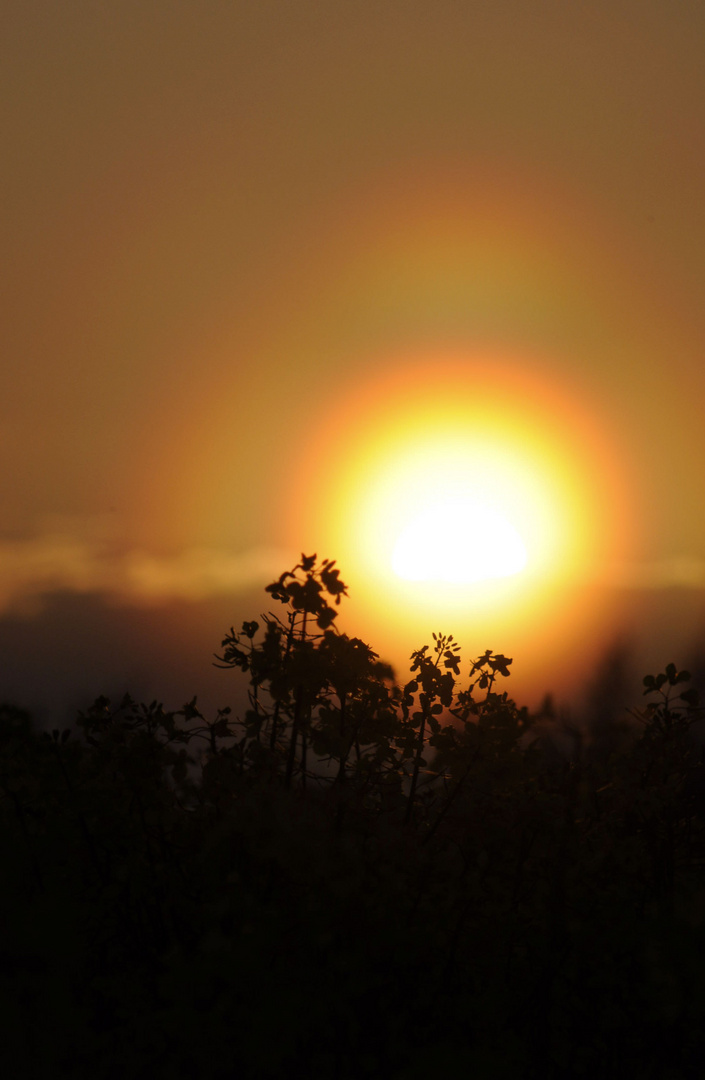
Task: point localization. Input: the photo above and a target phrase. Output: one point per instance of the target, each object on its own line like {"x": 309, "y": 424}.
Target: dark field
{"x": 353, "y": 877}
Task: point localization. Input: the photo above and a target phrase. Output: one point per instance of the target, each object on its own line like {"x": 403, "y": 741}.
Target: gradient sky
{"x": 229, "y": 227}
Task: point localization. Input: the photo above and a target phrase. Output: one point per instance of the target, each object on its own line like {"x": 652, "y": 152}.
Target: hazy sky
{"x": 225, "y": 221}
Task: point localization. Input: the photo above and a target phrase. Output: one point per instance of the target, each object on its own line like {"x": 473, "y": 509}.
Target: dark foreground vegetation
{"x": 353, "y": 879}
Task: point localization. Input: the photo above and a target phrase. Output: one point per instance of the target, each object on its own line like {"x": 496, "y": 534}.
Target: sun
{"x": 458, "y": 541}
{"x": 448, "y": 512}
{"x": 464, "y": 488}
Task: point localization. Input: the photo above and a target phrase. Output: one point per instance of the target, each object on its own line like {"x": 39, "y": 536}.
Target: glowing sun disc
{"x": 458, "y": 542}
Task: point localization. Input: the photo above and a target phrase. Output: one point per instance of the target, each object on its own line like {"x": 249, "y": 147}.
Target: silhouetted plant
{"x": 309, "y": 683}
{"x": 432, "y": 687}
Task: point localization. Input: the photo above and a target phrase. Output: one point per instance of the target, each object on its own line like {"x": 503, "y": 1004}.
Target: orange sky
{"x": 239, "y": 238}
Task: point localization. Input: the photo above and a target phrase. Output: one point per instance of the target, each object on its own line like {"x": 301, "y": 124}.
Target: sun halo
{"x": 459, "y": 488}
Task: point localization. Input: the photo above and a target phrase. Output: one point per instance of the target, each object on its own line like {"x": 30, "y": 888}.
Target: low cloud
{"x": 679, "y": 572}
{"x": 87, "y": 560}
{"x": 32, "y": 568}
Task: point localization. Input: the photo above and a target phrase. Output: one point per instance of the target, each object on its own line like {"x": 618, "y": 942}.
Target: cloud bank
{"x": 84, "y": 558}
{"x": 678, "y": 572}
{"x": 56, "y": 562}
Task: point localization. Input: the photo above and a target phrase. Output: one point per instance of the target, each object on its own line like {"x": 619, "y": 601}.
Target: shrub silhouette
{"x": 354, "y": 877}
{"x": 312, "y": 686}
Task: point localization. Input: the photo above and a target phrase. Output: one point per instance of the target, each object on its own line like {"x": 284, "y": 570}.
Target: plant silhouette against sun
{"x": 324, "y": 708}
{"x": 312, "y": 687}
